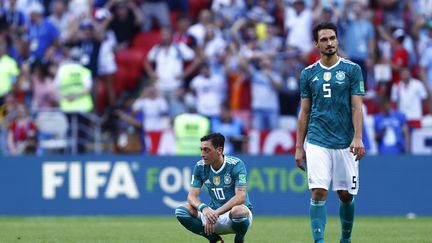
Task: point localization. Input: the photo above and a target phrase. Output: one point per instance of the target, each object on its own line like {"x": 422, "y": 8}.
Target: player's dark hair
{"x": 323, "y": 26}
{"x": 216, "y": 139}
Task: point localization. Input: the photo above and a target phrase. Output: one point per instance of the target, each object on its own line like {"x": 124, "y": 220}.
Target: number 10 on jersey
{"x": 219, "y": 194}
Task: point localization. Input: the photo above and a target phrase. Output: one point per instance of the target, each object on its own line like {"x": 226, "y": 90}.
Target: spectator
{"x": 259, "y": 17}
{"x": 80, "y": 8}
{"x": 22, "y": 133}
{"x": 44, "y": 91}
{"x": 298, "y": 26}
{"x": 60, "y": 17}
{"x": 238, "y": 82}
{"x": 107, "y": 65}
{"x": 15, "y": 19}
{"x": 42, "y": 34}
{"x": 391, "y": 130}
{"x": 289, "y": 93}
{"x": 85, "y": 38}
{"x": 209, "y": 90}
{"x": 227, "y": 12}
{"x": 157, "y": 9}
{"x": 400, "y": 56}
{"x": 197, "y": 31}
{"x": 359, "y": 43}
{"x": 165, "y": 65}
{"x": 74, "y": 82}
{"x": 232, "y": 128}
{"x": 214, "y": 50}
{"x": 129, "y": 134}
{"x": 272, "y": 43}
{"x": 398, "y": 59}
{"x": 189, "y": 127}
{"x": 408, "y": 94}
{"x": 183, "y": 22}
{"x": 126, "y": 22}
{"x": 8, "y": 109}
{"x": 154, "y": 109}
{"x": 425, "y": 48}
{"x": 266, "y": 84}
{"x": 8, "y": 72}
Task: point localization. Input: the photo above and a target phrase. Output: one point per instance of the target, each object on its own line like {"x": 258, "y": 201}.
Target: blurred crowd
{"x": 227, "y": 66}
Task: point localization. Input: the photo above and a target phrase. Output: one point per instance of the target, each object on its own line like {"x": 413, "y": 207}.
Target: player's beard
{"x": 329, "y": 52}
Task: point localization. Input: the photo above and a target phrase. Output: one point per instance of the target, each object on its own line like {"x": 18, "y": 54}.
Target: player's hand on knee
{"x": 210, "y": 215}
{"x": 209, "y": 228}
{"x": 300, "y": 156}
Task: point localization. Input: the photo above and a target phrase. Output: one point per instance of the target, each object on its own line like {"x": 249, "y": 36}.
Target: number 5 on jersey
{"x": 327, "y": 90}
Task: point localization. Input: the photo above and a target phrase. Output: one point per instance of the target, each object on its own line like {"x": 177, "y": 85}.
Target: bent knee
{"x": 239, "y": 211}
{"x": 185, "y": 210}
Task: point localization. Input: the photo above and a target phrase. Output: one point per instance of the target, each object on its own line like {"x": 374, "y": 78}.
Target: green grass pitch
{"x": 166, "y": 229}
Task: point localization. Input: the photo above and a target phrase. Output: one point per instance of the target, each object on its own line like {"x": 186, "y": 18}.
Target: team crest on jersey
{"x": 216, "y": 180}
{"x": 327, "y": 76}
{"x": 340, "y": 75}
{"x": 227, "y": 179}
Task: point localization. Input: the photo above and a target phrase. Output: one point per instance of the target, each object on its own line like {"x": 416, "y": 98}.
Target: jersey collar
{"x": 334, "y": 65}
{"x": 221, "y": 168}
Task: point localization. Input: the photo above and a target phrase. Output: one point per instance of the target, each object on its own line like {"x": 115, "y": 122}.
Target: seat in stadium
{"x": 129, "y": 69}
{"x": 195, "y": 7}
{"x": 145, "y": 41}
{"x": 52, "y": 130}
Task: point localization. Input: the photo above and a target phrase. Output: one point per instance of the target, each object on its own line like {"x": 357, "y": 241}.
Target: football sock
{"x": 346, "y": 213}
{"x": 318, "y": 217}
{"x": 240, "y": 226}
{"x": 192, "y": 224}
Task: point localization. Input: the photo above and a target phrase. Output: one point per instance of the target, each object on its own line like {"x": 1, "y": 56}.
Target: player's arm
{"x": 238, "y": 199}
{"x": 302, "y": 123}
{"x": 357, "y": 147}
{"x": 193, "y": 197}
{"x": 195, "y": 189}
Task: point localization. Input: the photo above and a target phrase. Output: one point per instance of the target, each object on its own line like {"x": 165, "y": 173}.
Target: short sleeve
{"x": 196, "y": 180}
{"x": 186, "y": 52}
{"x": 305, "y": 91}
{"x": 151, "y": 56}
{"x": 137, "y": 105}
{"x": 357, "y": 81}
{"x": 240, "y": 175}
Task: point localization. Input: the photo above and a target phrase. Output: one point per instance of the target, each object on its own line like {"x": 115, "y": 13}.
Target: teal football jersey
{"x": 221, "y": 184}
{"x": 330, "y": 89}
